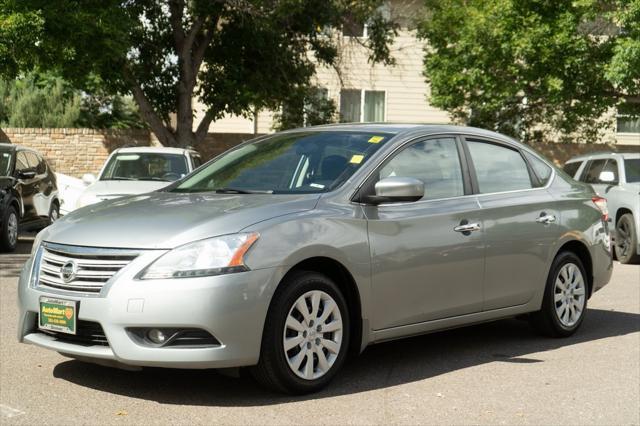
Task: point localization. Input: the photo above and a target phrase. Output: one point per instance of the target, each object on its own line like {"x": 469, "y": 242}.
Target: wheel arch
{"x": 345, "y": 281}
{"x": 582, "y": 251}
{"x": 620, "y": 212}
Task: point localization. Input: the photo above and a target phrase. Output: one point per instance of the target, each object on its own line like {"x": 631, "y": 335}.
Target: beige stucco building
{"x": 366, "y": 92}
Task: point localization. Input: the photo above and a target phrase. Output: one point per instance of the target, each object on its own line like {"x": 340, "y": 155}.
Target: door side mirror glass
{"x": 88, "y": 178}
{"x": 397, "y": 189}
{"x": 607, "y": 177}
{"x": 26, "y": 174}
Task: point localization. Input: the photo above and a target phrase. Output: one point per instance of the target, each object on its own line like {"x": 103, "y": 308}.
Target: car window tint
{"x": 41, "y": 168}
{"x": 632, "y": 169}
{"x": 593, "y": 174}
{"x": 32, "y": 159}
{"x": 541, "y": 169}
{"x": 196, "y": 160}
{"x": 435, "y": 162}
{"x": 499, "y": 168}
{"x": 572, "y": 168}
{"x": 21, "y": 161}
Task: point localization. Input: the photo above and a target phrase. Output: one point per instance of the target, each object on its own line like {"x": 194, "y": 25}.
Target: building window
{"x": 362, "y": 105}
{"x": 353, "y": 28}
{"x": 628, "y": 124}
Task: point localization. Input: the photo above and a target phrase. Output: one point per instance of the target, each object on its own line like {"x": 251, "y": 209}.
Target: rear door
{"x": 26, "y": 186}
{"x": 422, "y": 268}
{"x": 519, "y": 220}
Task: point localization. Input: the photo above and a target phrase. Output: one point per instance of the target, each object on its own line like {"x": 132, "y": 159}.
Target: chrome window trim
{"x": 463, "y": 134}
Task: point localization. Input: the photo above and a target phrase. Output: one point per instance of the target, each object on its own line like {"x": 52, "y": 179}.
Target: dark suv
{"x": 28, "y": 193}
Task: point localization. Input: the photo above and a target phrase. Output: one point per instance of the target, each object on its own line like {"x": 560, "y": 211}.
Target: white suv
{"x": 138, "y": 170}
{"x": 616, "y": 177}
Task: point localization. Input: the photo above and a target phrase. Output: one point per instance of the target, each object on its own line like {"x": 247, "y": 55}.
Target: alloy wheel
{"x": 12, "y": 229}
{"x": 312, "y": 335}
{"x": 569, "y": 295}
{"x": 623, "y": 239}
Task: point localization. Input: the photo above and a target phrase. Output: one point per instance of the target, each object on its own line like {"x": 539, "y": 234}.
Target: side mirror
{"x": 88, "y": 178}
{"x": 607, "y": 177}
{"x": 26, "y": 174}
{"x": 397, "y": 189}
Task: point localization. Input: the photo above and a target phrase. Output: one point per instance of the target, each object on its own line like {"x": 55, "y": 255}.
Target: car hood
{"x": 117, "y": 188}
{"x": 164, "y": 220}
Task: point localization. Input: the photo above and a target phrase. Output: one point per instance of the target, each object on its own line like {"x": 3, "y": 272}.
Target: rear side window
{"x": 572, "y": 168}
{"x": 435, "y": 162}
{"x": 540, "y": 168}
{"x": 196, "y": 161}
{"x": 632, "y": 169}
{"x": 21, "y": 161}
{"x": 498, "y": 168}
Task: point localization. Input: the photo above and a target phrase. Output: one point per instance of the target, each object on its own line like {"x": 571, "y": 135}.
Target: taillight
{"x": 601, "y": 204}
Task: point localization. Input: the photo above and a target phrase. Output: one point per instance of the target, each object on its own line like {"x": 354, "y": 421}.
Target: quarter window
{"x": 435, "y": 162}
{"x": 21, "y": 161}
{"x": 572, "y": 168}
{"x": 499, "y": 168}
{"x": 541, "y": 169}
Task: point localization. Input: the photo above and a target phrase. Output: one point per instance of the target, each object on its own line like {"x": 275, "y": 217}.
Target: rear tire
{"x": 626, "y": 241}
{"x": 306, "y": 335}
{"x": 10, "y": 230}
{"x": 564, "y": 305}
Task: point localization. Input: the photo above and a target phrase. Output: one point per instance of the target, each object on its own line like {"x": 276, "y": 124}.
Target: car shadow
{"x": 380, "y": 366}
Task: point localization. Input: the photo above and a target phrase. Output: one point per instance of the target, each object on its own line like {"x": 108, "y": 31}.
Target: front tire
{"x": 565, "y": 298}
{"x": 54, "y": 212}
{"x": 10, "y": 230}
{"x": 306, "y": 335}
{"x": 626, "y": 240}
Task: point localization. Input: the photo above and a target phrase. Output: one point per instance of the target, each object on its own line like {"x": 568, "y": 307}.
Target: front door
{"x": 422, "y": 268}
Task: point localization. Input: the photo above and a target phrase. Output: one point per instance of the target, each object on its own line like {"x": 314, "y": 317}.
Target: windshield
{"x": 632, "y": 169}
{"x": 309, "y": 162}
{"x": 5, "y": 162}
{"x": 145, "y": 166}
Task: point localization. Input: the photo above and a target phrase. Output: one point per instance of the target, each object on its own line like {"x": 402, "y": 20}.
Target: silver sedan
{"x": 290, "y": 252}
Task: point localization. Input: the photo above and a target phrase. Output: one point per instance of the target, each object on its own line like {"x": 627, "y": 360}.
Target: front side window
{"x": 145, "y": 166}
{"x": 435, "y": 162}
{"x": 595, "y": 167}
{"x": 498, "y": 168}
{"x": 304, "y": 162}
{"x": 572, "y": 168}
{"x": 632, "y": 169}
{"x": 21, "y": 162}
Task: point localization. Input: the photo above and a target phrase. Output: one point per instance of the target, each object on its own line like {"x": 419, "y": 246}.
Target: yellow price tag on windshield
{"x": 357, "y": 159}
{"x": 376, "y": 139}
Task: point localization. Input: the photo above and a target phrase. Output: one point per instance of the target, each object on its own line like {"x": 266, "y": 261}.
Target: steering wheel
{"x": 171, "y": 176}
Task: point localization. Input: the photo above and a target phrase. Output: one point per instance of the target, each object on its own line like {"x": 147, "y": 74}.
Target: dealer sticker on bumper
{"x": 58, "y": 315}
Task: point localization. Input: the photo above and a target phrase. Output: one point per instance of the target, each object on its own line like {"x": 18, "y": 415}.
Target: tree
{"x": 309, "y": 107}
{"x": 516, "y": 65}
{"x": 235, "y": 56}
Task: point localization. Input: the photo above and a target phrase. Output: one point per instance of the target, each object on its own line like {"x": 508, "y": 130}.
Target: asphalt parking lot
{"x": 497, "y": 373}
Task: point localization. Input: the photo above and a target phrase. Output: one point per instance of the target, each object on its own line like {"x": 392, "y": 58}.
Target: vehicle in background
{"x": 28, "y": 193}
{"x": 616, "y": 177}
{"x": 69, "y": 190}
{"x": 291, "y": 251}
{"x": 138, "y": 170}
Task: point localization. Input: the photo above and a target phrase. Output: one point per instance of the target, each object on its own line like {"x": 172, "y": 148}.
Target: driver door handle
{"x": 546, "y": 218}
{"x": 468, "y": 227}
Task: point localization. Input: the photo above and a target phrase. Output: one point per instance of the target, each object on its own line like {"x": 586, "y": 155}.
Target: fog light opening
{"x": 156, "y": 336}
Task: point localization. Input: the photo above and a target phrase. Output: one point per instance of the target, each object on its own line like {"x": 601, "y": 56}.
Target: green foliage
{"x": 233, "y": 56}
{"x": 306, "y": 107}
{"x": 46, "y": 100}
{"x": 38, "y": 101}
{"x": 517, "y": 65}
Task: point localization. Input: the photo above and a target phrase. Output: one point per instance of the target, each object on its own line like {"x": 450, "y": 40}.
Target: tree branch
{"x": 203, "y": 127}
{"x": 176, "y": 9}
{"x": 165, "y": 136}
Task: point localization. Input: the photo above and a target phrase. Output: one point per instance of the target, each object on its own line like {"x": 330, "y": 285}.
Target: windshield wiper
{"x": 120, "y": 178}
{"x": 241, "y": 191}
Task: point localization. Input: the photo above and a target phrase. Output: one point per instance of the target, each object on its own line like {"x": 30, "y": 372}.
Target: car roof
{"x": 156, "y": 150}
{"x": 14, "y": 147}
{"x": 603, "y": 155}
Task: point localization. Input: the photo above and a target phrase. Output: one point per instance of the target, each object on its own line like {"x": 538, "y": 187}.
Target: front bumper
{"x": 231, "y": 307}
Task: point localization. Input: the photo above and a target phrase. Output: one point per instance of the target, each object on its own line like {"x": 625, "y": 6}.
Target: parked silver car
{"x": 289, "y": 252}
{"x": 615, "y": 176}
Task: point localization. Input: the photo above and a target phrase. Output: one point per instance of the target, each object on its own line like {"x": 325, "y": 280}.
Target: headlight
{"x": 36, "y": 242}
{"x": 214, "y": 256}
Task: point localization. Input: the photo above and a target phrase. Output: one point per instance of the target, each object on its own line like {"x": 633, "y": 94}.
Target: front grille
{"x": 80, "y": 269}
{"x": 88, "y": 333}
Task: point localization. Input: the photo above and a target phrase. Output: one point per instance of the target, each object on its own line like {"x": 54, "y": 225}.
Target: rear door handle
{"x": 546, "y": 218}
{"x": 468, "y": 227}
